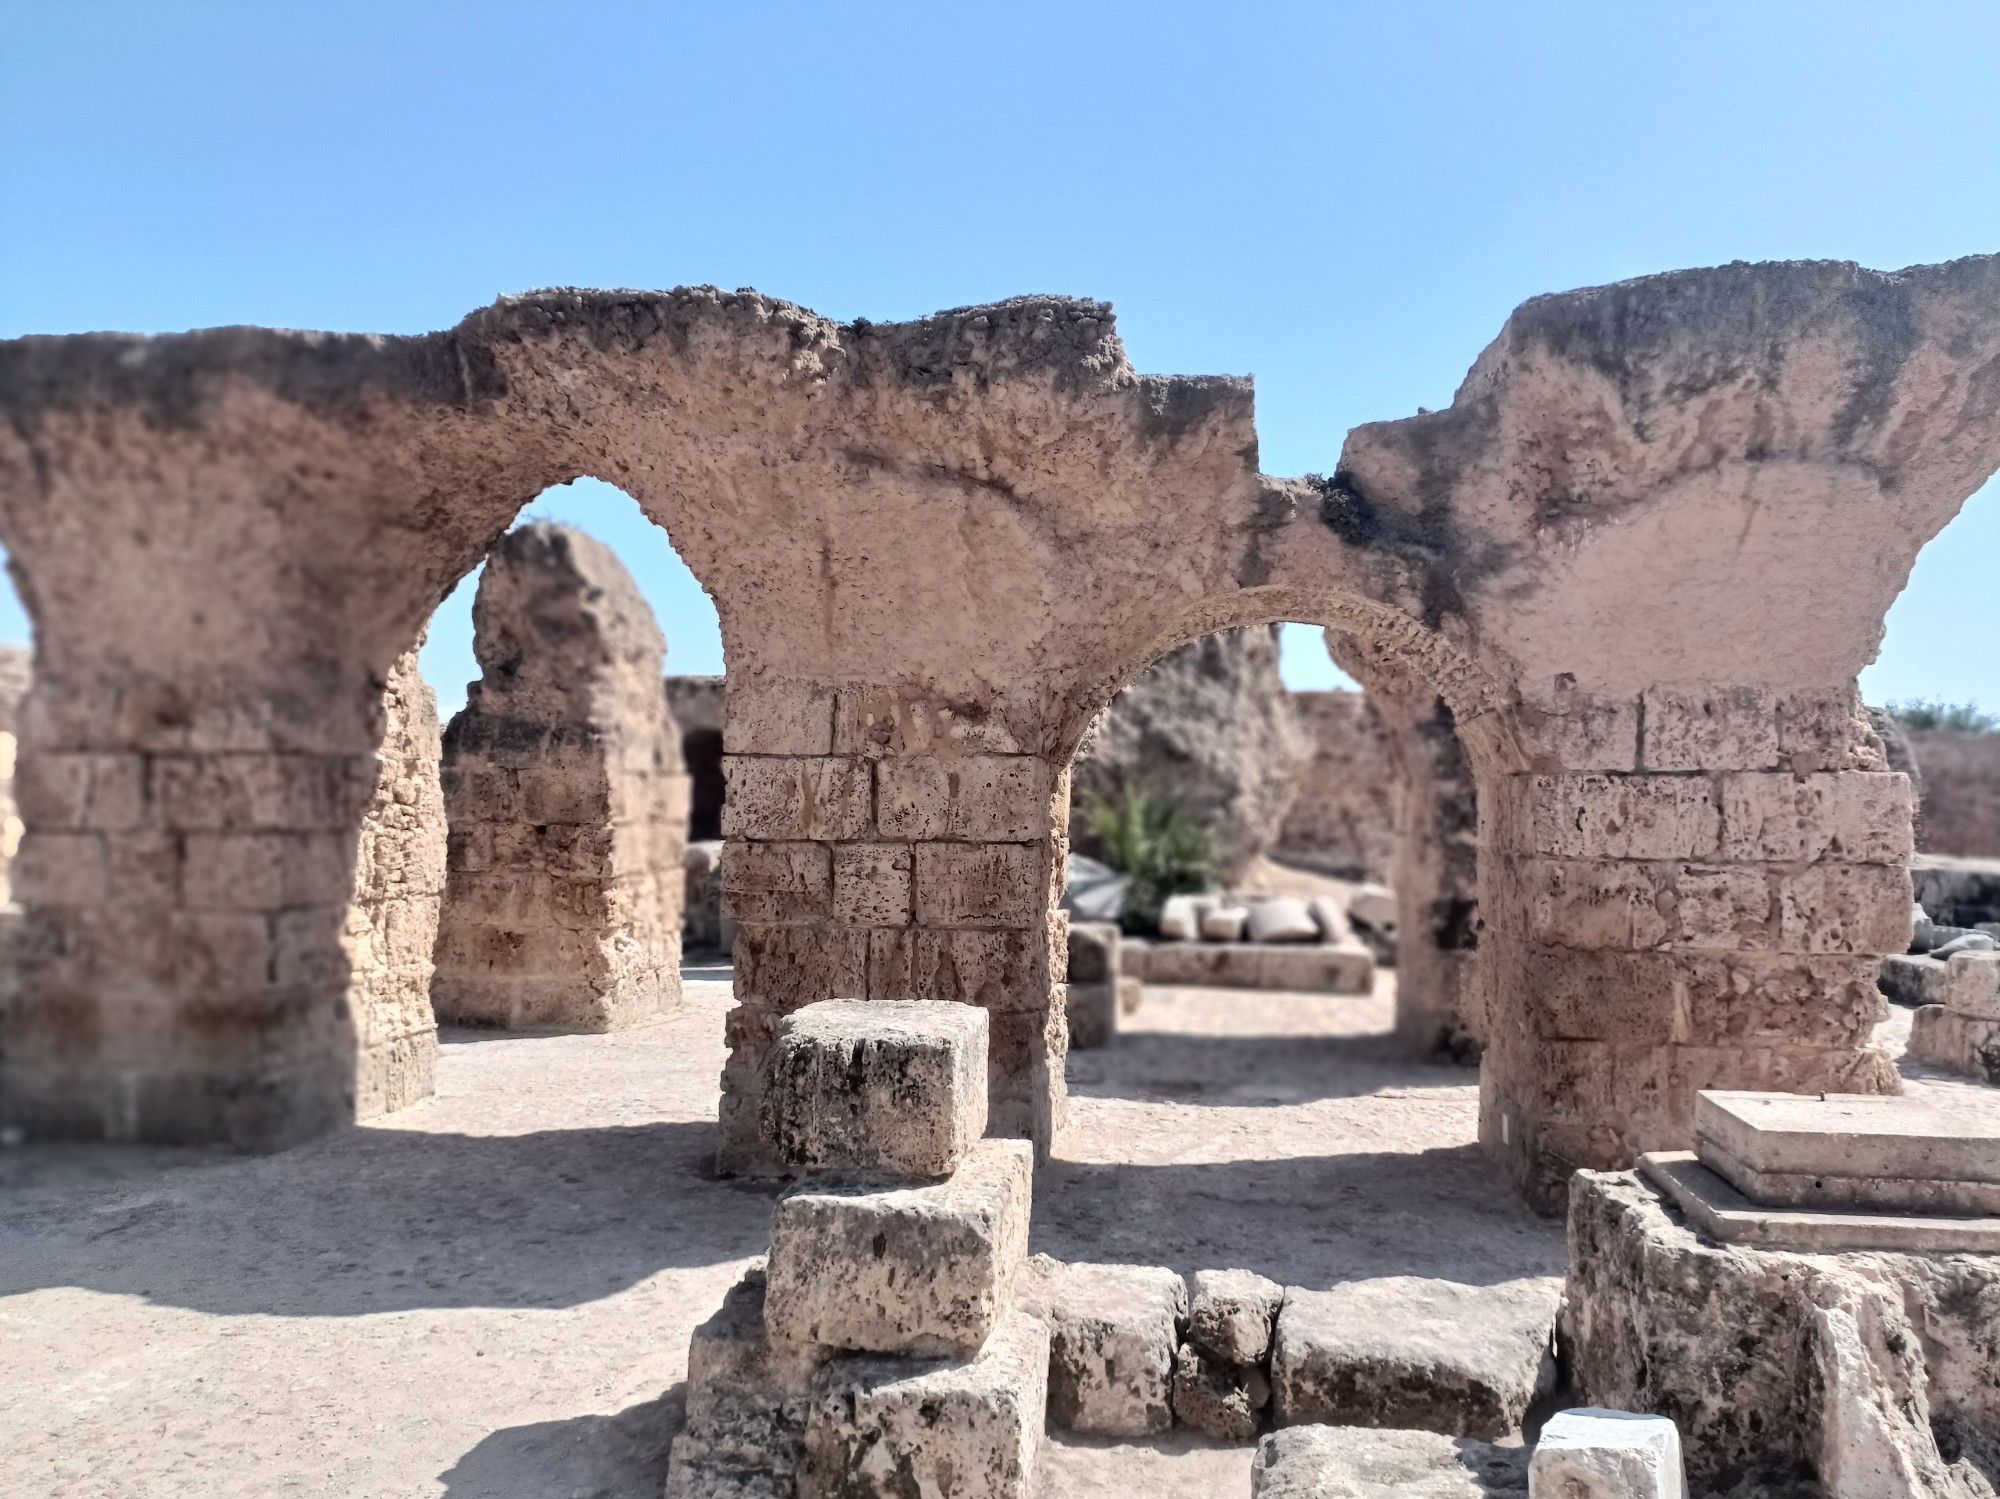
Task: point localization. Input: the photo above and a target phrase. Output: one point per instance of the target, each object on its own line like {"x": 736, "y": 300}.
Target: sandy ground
{"x": 489, "y": 1296}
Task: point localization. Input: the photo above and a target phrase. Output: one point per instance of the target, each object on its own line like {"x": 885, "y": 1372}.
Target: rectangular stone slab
{"x": 1716, "y": 1209}
{"x": 1868, "y": 1194}
{"x": 1925, "y": 1136}
{"x": 923, "y": 1270}
{"x": 1352, "y": 1462}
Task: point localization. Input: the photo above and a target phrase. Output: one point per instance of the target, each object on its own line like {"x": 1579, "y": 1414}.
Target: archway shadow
{"x": 620, "y": 1456}
{"x": 1312, "y": 1221}
{"x": 379, "y": 1220}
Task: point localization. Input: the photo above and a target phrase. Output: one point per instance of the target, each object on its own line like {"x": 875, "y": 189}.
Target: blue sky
{"x": 1341, "y": 200}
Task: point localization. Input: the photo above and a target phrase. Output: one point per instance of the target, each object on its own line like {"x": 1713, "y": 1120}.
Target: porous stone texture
{"x": 1403, "y": 1351}
{"x": 1957, "y": 1042}
{"x": 1215, "y": 1399}
{"x": 1351, "y": 1462}
{"x": 392, "y": 916}
{"x": 1113, "y": 1334}
{"x": 1778, "y": 1364}
{"x": 1091, "y": 996}
{"x": 1599, "y": 1454}
{"x": 879, "y": 1087}
{"x": 1211, "y": 728}
{"x": 883, "y": 1428}
{"x": 1345, "y": 812}
{"x": 1435, "y": 871}
{"x": 1233, "y": 1314}
{"x": 1960, "y": 775}
{"x": 922, "y": 1270}
{"x": 940, "y": 548}
{"x": 1912, "y": 979}
{"x": 567, "y": 802}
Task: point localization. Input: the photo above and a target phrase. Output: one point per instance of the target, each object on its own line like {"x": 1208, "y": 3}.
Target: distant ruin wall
{"x": 14, "y": 662}
{"x": 1960, "y": 808}
{"x": 1343, "y": 818}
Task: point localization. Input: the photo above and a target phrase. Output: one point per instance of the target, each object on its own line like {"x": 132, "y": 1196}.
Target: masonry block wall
{"x": 861, "y": 865}
{"x": 1698, "y": 897}
{"x": 566, "y": 799}
{"x": 392, "y": 916}
{"x": 1440, "y": 1008}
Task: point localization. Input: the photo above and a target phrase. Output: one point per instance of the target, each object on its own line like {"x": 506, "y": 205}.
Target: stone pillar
{"x": 566, "y": 800}
{"x": 392, "y": 922}
{"x": 1688, "y": 890}
{"x": 14, "y": 672}
{"x": 873, "y": 852}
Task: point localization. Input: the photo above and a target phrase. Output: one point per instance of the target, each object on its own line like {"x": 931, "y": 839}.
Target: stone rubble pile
{"x": 882, "y": 1349}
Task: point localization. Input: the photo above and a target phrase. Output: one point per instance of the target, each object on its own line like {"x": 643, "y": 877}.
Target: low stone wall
{"x": 1960, "y": 808}
{"x": 1342, "y": 820}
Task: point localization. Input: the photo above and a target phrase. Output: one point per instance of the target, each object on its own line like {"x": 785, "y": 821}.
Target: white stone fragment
{"x": 1972, "y": 984}
{"x": 1282, "y": 919}
{"x": 1373, "y": 906}
{"x": 1224, "y": 923}
{"x": 1604, "y": 1454}
{"x": 1331, "y": 918}
{"x": 1180, "y": 918}
{"x": 1113, "y": 1332}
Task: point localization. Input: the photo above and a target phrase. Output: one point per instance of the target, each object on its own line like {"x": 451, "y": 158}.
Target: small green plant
{"x": 1155, "y": 843}
{"x": 1934, "y": 713}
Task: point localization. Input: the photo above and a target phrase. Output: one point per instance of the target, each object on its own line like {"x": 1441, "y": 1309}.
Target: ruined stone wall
{"x": 566, "y": 798}
{"x": 696, "y": 704}
{"x": 14, "y": 668}
{"x": 1343, "y": 816}
{"x": 392, "y": 917}
{"x": 1960, "y": 810}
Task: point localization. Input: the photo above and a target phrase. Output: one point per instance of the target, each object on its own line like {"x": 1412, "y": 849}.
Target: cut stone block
{"x": 1282, "y": 919}
{"x": 1331, "y": 919}
{"x": 1957, "y": 1043}
{"x": 1093, "y": 1015}
{"x": 1131, "y": 994}
{"x": 747, "y": 1400}
{"x": 1180, "y": 918}
{"x": 892, "y": 1087}
{"x": 915, "y": 1270}
{"x": 1373, "y": 905}
{"x": 1216, "y": 1399}
{"x": 1232, "y": 1315}
{"x": 1093, "y": 952}
{"x": 1347, "y": 1462}
{"x": 1113, "y": 1331}
{"x": 1312, "y": 968}
{"x": 1912, "y": 979}
{"x": 1928, "y": 1153}
{"x": 1972, "y": 984}
{"x": 886, "y": 1428}
{"x": 1716, "y": 1209}
{"x": 1402, "y": 1351}
{"x": 1600, "y": 1454}
{"x": 1224, "y": 923}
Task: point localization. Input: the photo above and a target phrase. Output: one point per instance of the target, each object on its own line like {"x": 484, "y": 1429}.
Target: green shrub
{"x": 1155, "y": 843}
{"x": 1933, "y": 713}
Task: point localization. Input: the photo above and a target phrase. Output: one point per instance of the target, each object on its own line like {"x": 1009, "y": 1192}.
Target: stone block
{"x": 1402, "y": 1351}
{"x": 1131, "y": 994}
{"x": 877, "y": 1086}
{"x": 977, "y": 884}
{"x": 785, "y": 967}
{"x": 1281, "y": 919}
{"x": 776, "y": 882}
{"x": 776, "y": 716}
{"x": 1232, "y": 1315}
{"x": 1602, "y": 1454}
{"x": 780, "y": 797}
{"x": 871, "y": 884}
{"x": 1580, "y": 734}
{"x": 1912, "y": 979}
{"x": 924, "y": 1270}
{"x": 1093, "y": 1015}
{"x": 1093, "y": 952}
{"x": 1972, "y": 984}
{"x": 1957, "y": 1043}
{"x": 1860, "y": 908}
{"x": 1852, "y": 817}
{"x": 1717, "y": 1210}
{"x": 1113, "y": 1331}
{"x": 884, "y": 1428}
{"x": 997, "y": 970}
{"x": 1324, "y": 968}
{"x": 1624, "y": 817}
{"x": 1352, "y": 1462}
{"x": 1217, "y": 1399}
{"x": 1180, "y": 918}
{"x": 1730, "y": 728}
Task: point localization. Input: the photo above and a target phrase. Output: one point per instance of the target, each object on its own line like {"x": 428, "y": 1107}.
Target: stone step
{"x": 892, "y": 1087}
{"x": 924, "y": 1270}
{"x": 1349, "y": 1462}
{"x": 1403, "y": 1351}
{"x": 1114, "y": 1331}
{"x": 888, "y": 1428}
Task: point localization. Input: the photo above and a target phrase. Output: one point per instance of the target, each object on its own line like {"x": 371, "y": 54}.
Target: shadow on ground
{"x": 1305, "y": 1220}
{"x": 1251, "y": 1071}
{"x": 586, "y": 1457}
{"x": 379, "y": 1220}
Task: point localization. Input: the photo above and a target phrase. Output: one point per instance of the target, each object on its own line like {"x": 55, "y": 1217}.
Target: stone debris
{"x": 1961, "y": 1032}
{"x": 1604, "y": 1454}
{"x": 883, "y": 1352}
{"x": 566, "y": 797}
{"x": 1114, "y": 1331}
{"x": 864, "y": 1085}
{"x": 1403, "y": 1351}
{"x": 1222, "y": 1374}
{"x": 1348, "y": 1462}
{"x": 1215, "y": 1399}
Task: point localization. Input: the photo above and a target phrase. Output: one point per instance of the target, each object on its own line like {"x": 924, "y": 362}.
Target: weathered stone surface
{"x": 1211, "y": 727}
{"x": 1093, "y": 952}
{"x": 1281, "y": 919}
{"x": 1600, "y": 1454}
{"x": 1113, "y": 1331}
{"x": 1725, "y": 1341}
{"x": 1957, "y": 1043}
{"x": 1351, "y": 1462}
{"x": 914, "y": 1270}
{"x": 1216, "y": 1399}
{"x": 882, "y": 1428}
{"x": 1401, "y": 1351}
{"x": 1313, "y": 968}
{"x": 1912, "y": 979}
{"x": 895, "y": 1087}
{"x": 1875, "y": 1421}
{"x": 566, "y": 798}
{"x": 1233, "y": 1314}
{"x": 1841, "y": 1141}
{"x": 1093, "y": 1014}
{"x": 1972, "y": 984}
{"x": 15, "y": 667}
{"x": 1343, "y": 820}
{"x": 1719, "y": 1211}
{"x": 746, "y": 1405}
